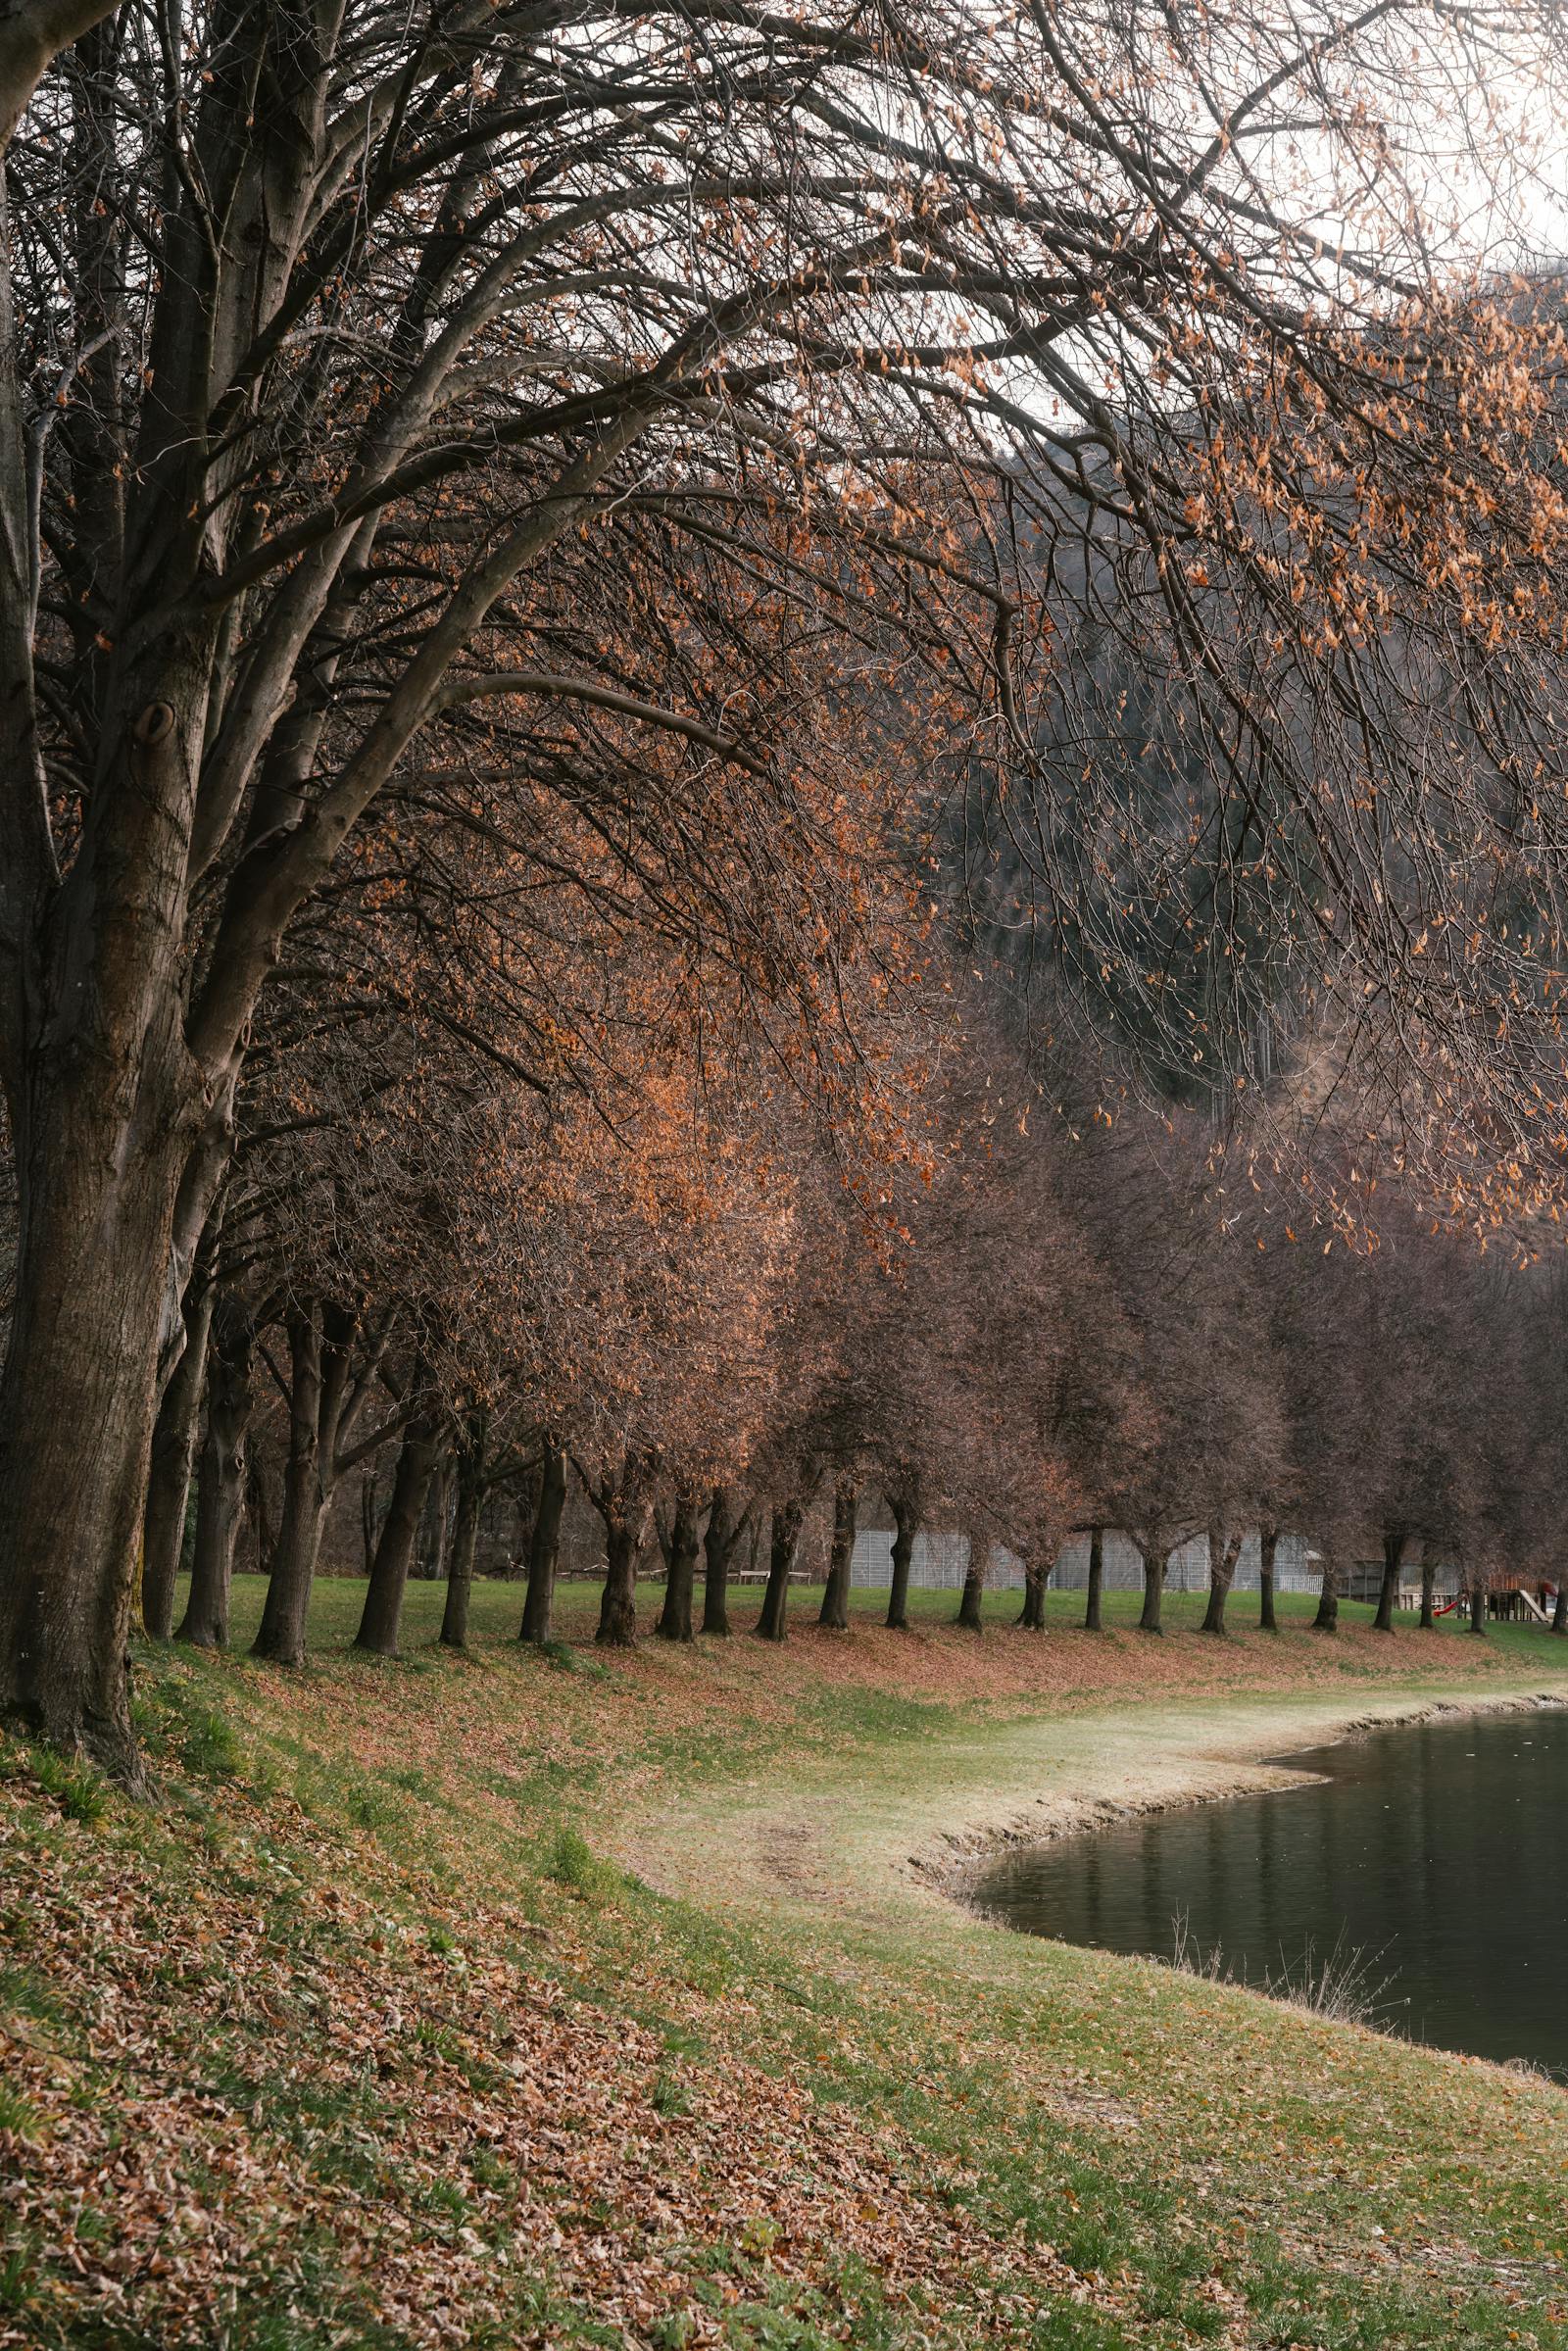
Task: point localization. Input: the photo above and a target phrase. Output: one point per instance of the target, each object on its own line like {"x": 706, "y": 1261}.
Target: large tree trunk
{"x": 1478, "y": 1610}
{"x": 1155, "y": 1558}
{"x": 1223, "y": 1552}
{"x": 834, "y": 1613}
{"x": 465, "y": 1533}
{"x": 617, "y": 1606}
{"x": 173, "y": 1453}
{"x": 620, "y": 1507}
{"x": 542, "y": 1545}
{"x": 1560, "y": 1612}
{"x": 1093, "y": 1598}
{"x": 905, "y": 1524}
{"x": 394, "y": 1553}
{"x": 970, "y": 1618}
{"x": 784, "y": 1542}
{"x": 1267, "y": 1546}
{"x": 101, "y": 1140}
{"x": 725, "y": 1527}
{"x": 680, "y": 1575}
{"x": 1032, "y": 1615}
{"x": 220, "y": 1482}
{"x": 1388, "y": 1588}
{"x": 1429, "y": 1597}
{"x": 1327, "y": 1619}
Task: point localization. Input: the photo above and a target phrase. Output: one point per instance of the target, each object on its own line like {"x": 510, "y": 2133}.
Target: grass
{"x": 496, "y": 1607}
{"x": 330, "y": 1955}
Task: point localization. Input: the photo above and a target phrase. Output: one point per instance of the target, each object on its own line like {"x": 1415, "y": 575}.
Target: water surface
{"x": 1439, "y": 1851}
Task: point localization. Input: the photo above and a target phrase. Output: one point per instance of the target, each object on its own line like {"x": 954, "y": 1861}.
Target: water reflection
{"x": 1438, "y": 1851}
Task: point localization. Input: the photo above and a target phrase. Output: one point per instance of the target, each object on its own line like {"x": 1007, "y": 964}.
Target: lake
{"x": 1438, "y": 1851}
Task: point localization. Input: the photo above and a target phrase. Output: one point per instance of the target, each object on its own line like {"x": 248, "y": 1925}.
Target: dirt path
{"x": 895, "y": 1827}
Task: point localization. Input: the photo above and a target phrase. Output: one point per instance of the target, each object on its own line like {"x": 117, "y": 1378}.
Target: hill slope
{"x": 364, "y": 2038}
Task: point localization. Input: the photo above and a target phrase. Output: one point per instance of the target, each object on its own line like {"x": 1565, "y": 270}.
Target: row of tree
{"x": 1054, "y": 1314}
{"x": 532, "y": 546}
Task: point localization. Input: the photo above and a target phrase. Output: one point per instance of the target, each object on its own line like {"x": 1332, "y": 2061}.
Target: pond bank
{"x": 912, "y": 1822}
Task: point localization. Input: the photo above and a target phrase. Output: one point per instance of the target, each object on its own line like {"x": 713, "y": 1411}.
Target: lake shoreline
{"x": 1260, "y": 1762}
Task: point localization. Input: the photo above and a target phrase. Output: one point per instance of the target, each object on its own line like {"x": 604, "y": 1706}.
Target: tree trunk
{"x": 724, "y": 1531}
{"x": 464, "y": 1533}
{"x": 834, "y": 1613}
{"x": 306, "y": 1493}
{"x": 325, "y": 1407}
{"x": 1223, "y": 1553}
{"x": 220, "y": 1484}
{"x": 675, "y": 1616}
{"x": 1429, "y": 1577}
{"x": 905, "y": 1522}
{"x": 1388, "y": 1588}
{"x": 969, "y": 1617}
{"x": 435, "y": 1526}
{"x": 1327, "y": 1619}
{"x": 542, "y": 1545}
{"x": 620, "y": 1507}
{"x": 784, "y": 1542}
{"x": 1478, "y": 1610}
{"x": 1560, "y": 1612}
{"x": 1156, "y": 1559}
{"x": 173, "y": 1454}
{"x": 1092, "y": 1619}
{"x": 394, "y": 1553}
{"x": 617, "y": 1608}
{"x": 1267, "y": 1545}
{"x": 257, "y": 1512}
{"x": 97, "y": 1181}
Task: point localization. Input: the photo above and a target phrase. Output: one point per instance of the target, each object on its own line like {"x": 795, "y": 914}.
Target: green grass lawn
{"x": 496, "y": 1609}
{"x": 402, "y": 1867}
